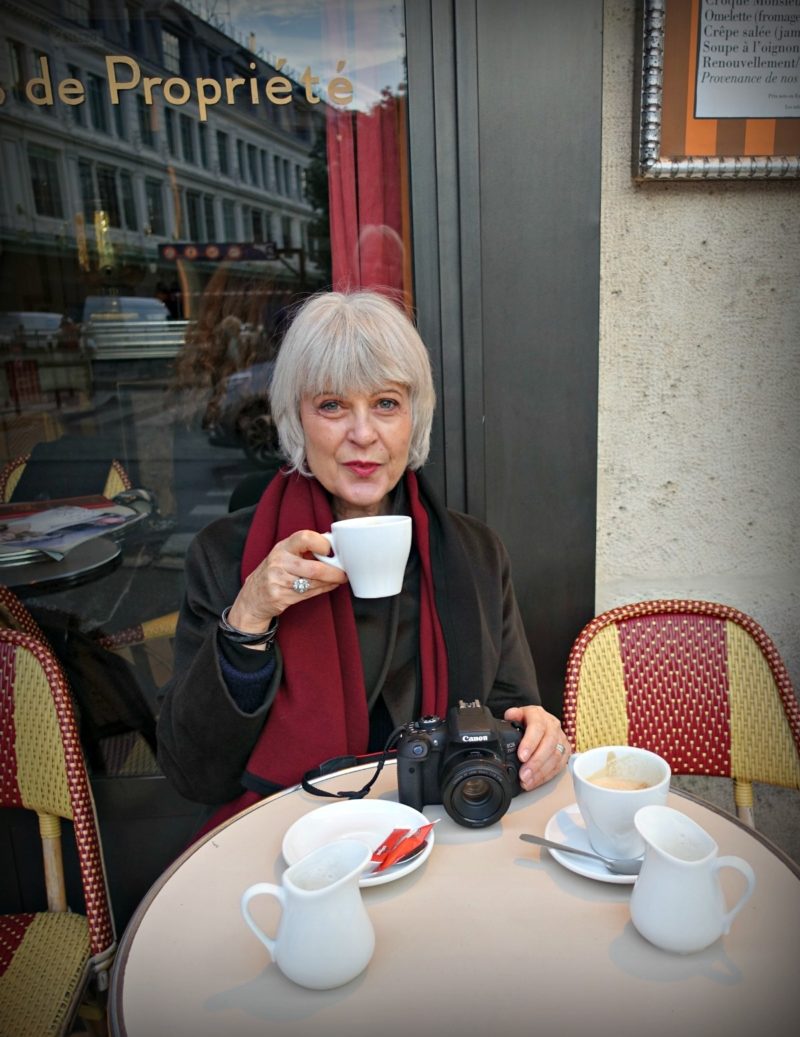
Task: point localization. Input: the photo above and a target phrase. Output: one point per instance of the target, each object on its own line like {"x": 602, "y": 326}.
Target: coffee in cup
{"x": 611, "y": 783}
{"x": 373, "y": 551}
{"x": 619, "y": 773}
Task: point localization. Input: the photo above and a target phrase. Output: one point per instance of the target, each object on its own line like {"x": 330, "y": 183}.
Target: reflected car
{"x": 123, "y": 327}
{"x": 30, "y": 329}
{"x": 241, "y": 417}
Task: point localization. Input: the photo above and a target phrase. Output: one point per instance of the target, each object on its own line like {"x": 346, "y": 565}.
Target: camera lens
{"x": 476, "y": 793}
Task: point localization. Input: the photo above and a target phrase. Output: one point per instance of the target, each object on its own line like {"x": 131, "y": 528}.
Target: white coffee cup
{"x": 608, "y": 813}
{"x": 373, "y": 551}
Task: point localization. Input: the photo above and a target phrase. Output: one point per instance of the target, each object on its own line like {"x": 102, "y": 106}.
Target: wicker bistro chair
{"x": 699, "y": 683}
{"x": 14, "y": 615}
{"x": 49, "y": 960}
{"x": 117, "y": 479}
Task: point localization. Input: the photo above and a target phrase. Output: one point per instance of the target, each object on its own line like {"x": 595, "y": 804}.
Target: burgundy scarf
{"x": 320, "y": 710}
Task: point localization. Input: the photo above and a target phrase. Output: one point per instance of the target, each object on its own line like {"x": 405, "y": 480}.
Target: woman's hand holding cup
{"x": 286, "y": 577}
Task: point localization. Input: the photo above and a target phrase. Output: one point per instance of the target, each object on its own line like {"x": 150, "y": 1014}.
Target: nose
{"x": 362, "y": 428}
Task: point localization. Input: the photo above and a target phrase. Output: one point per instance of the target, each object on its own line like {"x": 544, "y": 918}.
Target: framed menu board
{"x": 718, "y": 90}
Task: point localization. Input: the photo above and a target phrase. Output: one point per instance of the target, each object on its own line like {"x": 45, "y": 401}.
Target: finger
{"x": 329, "y": 576}
{"x": 304, "y": 542}
{"x": 545, "y": 758}
{"x": 534, "y": 775}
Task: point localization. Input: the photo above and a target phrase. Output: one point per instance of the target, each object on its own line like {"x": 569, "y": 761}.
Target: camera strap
{"x": 340, "y": 763}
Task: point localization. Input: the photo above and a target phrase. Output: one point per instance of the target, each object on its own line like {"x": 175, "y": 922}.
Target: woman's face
{"x": 357, "y": 445}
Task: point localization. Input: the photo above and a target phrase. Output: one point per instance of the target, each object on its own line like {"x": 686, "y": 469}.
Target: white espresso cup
{"x": 608, "y": 812}
{"x": 373, "y": 551}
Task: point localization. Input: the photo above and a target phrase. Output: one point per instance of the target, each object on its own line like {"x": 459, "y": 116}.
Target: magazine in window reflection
{"x": 59, "y": 528}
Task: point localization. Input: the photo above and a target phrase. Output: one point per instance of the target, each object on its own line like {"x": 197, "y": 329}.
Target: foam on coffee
{"x": 612, "y": 775}
{"x": 610, "y": 781}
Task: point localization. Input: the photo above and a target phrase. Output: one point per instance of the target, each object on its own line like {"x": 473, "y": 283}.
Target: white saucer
{"x": 566, "y": 826}
{"x": 368, "y": 820}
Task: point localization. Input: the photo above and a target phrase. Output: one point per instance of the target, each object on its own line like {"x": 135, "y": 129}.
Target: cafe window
{"x": 128, "y": 200}
{"x": 194, "y": 217}
{"x": 211, "y": 219}
{"x": 78, "y": 110}
{"x": 133, "y": 23}
{"x": 229, "y": 219}
{"x": 252, "y": 163}
{"x": 96, "y": 90}
{"x": 119, "y": 117}
{"x": 107, "y": 194}
{"x": 145, "y": 119}
{"x": 77, "y": 11}
{"x": 87, "y": 189}
{"x": 187, "y": 138}
{"x": 202, "y": 139}
{"x": 41, "y": 62}
{"x": 109, "y": 231}
{"x": 222, "y": 153}
{"x": 169, "y": 125}
{"x": 18, "y": 68}
{"x": 45, "y": 183}
{"x": 172, "y": 52}
{"x": 154, "y": 199}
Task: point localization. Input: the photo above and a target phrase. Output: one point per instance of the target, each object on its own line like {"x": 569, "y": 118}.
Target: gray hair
{"x": 350, "y": 342}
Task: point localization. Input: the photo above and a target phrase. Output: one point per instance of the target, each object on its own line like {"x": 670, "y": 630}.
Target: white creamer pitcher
{"x": 677, "y": 902}
{"x": 325, "y": 937}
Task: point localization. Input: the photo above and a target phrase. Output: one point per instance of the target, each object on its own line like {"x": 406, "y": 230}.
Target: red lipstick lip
{"x": 362, "y": 467}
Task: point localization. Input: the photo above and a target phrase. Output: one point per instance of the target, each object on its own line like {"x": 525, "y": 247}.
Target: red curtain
{"x": 368, "y": 193}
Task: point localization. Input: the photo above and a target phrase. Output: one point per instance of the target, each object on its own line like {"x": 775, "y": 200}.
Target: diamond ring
{"x": 301, "y": 585}
{"x": 561, "y": 748}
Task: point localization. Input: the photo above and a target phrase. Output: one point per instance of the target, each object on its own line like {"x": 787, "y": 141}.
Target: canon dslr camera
{"x": 469, "y": 764}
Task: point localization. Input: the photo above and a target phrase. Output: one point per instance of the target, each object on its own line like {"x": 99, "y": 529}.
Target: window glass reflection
{"x": 174, "y": 181}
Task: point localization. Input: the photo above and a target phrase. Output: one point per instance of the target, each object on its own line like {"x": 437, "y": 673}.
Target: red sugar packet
{"x": 391, "y": 840}
{"x": 405, "y": 846}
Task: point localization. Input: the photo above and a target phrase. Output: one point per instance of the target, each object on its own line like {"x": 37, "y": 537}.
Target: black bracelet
{"x": 241, "y": 637}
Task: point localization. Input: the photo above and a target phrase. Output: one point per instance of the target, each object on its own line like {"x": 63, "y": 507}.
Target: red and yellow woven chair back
{"x": 116, "y": 482}
{"x": 697, "y": 682}
{"x": 42, "y": 766}
{"x": 10, "y": 475}
{"x": 14, "y": 615}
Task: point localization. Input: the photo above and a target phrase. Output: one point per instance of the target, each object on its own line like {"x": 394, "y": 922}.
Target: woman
{"x": 278, "y": 666}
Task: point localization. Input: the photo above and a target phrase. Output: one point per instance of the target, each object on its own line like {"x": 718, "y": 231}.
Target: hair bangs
{"x": 353, "y": 361}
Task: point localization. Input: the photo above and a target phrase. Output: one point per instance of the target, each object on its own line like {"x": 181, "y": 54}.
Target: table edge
{"x": 115, "y": 992}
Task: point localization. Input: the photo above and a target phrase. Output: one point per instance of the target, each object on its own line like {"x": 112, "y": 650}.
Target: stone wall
{"x": 699, "y": 407}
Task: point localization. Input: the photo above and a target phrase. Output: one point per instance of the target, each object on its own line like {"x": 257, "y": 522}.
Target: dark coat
{"x": 205, "y": 740}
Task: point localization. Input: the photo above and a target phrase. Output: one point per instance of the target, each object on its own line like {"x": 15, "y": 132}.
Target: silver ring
{"x": 301, "y": 585}
{"x": 561, "y": 748}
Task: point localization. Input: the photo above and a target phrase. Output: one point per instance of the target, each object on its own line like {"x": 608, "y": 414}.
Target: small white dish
{"x": 566, "y": 826}
{"x": 370, "y": 821}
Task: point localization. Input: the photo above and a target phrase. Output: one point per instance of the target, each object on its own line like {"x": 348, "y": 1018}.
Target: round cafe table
{"x": 489, "y": 935}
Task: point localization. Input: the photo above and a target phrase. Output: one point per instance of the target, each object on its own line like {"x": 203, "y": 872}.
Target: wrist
{"x": 247, "y": 637}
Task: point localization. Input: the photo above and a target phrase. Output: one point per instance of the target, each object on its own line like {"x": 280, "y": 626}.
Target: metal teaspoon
{"x": 623, "y": 866}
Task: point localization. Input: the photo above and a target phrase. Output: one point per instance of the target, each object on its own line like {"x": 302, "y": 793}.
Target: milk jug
{"x": 325, "y": 937}
{"x": 677, "y": 902}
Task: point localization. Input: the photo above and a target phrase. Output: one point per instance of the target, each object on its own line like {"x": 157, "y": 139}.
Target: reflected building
{"x": 99, "y": 173}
